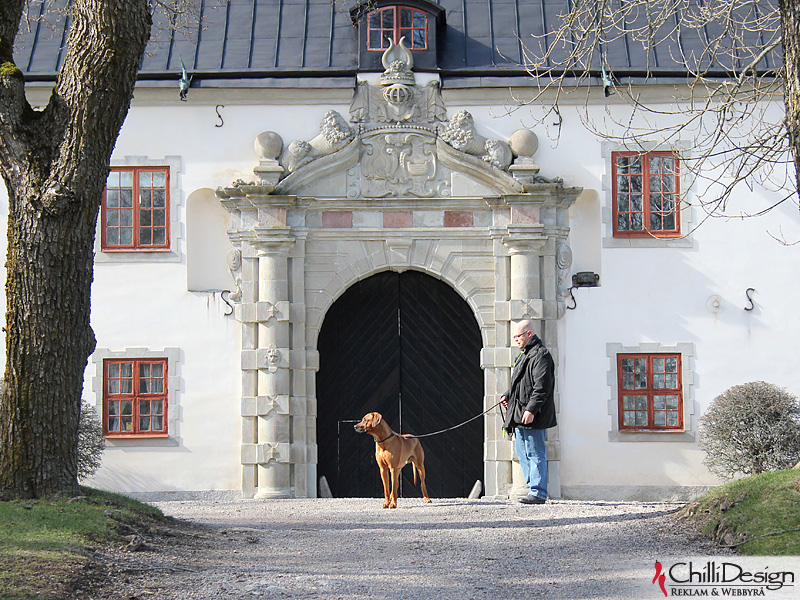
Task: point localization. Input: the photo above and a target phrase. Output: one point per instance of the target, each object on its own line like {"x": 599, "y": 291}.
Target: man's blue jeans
{"x": 529, "y": 444}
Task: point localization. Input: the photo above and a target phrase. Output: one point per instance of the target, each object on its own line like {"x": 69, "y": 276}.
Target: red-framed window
{"x": 135, "y": 397}
{"x": 650, "y": 392}
{"x": 394, "y": 22}
{"x": 646, "y": 192}
{"x": 135, "y": 210}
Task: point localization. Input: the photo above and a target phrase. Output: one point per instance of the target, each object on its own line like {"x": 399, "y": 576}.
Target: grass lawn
{"x": 764, "y": 509}
{"x": 43, "y": 542}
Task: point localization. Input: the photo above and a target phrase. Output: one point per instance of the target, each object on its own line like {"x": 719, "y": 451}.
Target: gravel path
{"x": 451, "y": 549}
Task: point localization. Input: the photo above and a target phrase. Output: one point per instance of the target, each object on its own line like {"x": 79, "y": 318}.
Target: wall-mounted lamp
{"x": 585, "y": 279}
{"x": 582, "y": 279}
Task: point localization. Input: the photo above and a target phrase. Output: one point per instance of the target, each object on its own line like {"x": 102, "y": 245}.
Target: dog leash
{"x": 456, "y": 426}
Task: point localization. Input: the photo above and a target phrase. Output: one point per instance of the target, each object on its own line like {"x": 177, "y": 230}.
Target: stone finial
{"x": 523, "y": 142}
{"x": 268, "y": 145}
{"x": 398, "y": 62}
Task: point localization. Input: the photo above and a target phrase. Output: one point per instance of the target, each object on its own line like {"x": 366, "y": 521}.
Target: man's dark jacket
{"x": 532, "y": 388}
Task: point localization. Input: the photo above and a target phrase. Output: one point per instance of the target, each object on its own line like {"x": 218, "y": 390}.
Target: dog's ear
{"x": 376, "y": 419}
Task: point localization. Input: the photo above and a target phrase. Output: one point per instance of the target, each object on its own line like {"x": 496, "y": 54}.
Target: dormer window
{"x": 395, "y": 22}
{"x": 380, "y": 22}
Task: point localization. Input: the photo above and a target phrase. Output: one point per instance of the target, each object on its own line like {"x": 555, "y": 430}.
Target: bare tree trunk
{"x": 790, "y": 22}
{"x": 55, "y": 163}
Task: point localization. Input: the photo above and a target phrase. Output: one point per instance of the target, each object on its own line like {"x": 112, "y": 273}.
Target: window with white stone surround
{"x": 137, "y": 392}
{"x": 652, "y": 392}
{"x": 140, "y": 216}
{"x": 647, "y": 198}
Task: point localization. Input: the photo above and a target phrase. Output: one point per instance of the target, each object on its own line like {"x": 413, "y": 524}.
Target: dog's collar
{"x": 387, "y": 437}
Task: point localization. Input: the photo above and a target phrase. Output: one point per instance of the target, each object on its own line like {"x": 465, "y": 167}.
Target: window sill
{"x": 647, "y": 236}
{"x": 134, "y": 250}
{"x": 129, "y": 442}
{"x": 651, "y": 435}
{"x": 135, "y": 436}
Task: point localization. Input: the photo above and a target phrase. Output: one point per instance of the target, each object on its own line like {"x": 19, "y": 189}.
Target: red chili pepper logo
{"x": 660, "y": 577}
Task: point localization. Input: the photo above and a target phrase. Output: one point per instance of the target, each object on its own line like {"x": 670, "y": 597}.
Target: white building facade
{"x": 256, "y": 208}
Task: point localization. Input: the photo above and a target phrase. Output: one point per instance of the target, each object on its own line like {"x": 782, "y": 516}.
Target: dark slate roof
{"x": 275, "y": 42}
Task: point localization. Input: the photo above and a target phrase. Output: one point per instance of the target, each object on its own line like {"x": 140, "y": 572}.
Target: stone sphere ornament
{"x": 523, "y": 142}
{"x": 269, "y": 145}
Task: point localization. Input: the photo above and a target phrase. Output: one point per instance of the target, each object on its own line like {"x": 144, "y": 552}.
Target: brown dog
{"x": 393, "y": 452}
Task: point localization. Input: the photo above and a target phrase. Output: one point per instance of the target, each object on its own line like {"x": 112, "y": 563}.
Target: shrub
{"x": 91, "y": 442}
{"x": 751, "y": 428}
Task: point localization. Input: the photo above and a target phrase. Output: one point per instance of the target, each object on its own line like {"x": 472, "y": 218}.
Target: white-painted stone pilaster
{"x": 273, "y": 362}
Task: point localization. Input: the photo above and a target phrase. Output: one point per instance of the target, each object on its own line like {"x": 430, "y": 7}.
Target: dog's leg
{"x": 385, "y": 479}
{"x": 395, "y": 486}
{"x": 418, "y": 461}
{"x": 421, "y": 469}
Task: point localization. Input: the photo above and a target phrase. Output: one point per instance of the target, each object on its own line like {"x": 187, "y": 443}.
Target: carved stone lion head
{"x": 335, "y": 129}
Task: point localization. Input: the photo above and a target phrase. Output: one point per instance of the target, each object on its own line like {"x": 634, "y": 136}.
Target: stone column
{"x": 273, "y": 362}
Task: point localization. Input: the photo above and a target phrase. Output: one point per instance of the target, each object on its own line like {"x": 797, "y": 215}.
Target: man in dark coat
{"x": 531, "y": 409}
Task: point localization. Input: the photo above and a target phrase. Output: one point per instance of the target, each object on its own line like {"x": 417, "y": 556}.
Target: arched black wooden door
{"x": 405, "y": 345}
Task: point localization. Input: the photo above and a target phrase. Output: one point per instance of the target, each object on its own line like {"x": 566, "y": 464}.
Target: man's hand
{"x": 527, "y": 418}
{"x": 504, "y": 401}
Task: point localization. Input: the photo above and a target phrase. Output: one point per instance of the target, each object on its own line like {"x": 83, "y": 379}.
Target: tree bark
{"x": 790, "y": 23}
{"x": 55, "y": 163}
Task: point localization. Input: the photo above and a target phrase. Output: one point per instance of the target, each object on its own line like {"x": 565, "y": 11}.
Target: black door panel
{"x": 407, "y": 346}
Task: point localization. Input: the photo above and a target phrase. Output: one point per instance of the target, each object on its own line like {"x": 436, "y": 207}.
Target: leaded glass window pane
{"x": 387, "y": 18}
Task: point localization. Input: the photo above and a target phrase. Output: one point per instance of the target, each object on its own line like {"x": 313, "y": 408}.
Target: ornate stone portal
{"x": 397, "y": 187}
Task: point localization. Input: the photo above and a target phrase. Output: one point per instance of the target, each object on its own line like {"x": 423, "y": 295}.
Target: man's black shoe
{"x": 531, "y": 499}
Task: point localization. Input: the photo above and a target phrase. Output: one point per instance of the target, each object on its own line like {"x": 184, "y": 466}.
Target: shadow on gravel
{"x": 513, "y": 521}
